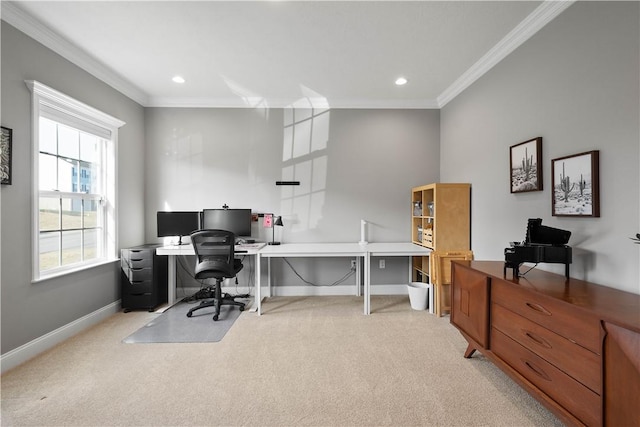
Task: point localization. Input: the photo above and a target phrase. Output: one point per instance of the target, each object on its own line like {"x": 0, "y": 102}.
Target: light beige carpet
{"x": 306, "y": 361}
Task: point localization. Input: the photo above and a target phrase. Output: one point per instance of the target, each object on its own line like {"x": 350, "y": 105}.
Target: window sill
{"x": 73, "y": 270}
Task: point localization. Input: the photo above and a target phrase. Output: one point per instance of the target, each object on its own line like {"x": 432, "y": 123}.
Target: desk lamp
{"x": 276, "y": 221}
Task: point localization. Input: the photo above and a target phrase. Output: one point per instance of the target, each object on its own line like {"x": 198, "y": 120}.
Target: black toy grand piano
{"x": 541, "y": 244}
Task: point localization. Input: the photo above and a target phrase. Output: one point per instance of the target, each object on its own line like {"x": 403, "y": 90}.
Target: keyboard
{"x": 245, "y": 247}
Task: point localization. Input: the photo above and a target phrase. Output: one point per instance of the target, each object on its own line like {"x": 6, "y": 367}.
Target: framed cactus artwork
{"x": 5, "y": 155}
{"x": 526, "y": 166}
{"x": 576, "y": 185}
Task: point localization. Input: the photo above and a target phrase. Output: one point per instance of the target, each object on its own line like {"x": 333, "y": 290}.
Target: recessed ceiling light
{"x": 178, "y": 79}
{"x": 401, "y": 81}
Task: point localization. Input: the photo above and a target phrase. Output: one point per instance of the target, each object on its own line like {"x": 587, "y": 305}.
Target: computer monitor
{"x": 238, "y": 221}
{"x": 177, "y": 223}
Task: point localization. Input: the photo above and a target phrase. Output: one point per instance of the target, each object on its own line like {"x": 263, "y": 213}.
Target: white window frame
{"x": 50, "y": 103}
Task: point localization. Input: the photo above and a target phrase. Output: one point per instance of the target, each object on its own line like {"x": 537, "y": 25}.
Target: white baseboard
{"x": 19, "y": 355}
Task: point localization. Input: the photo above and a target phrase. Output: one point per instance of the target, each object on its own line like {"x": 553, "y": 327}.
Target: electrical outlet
{"x": 381, "y": 264}
{"x": 353, "y": 264}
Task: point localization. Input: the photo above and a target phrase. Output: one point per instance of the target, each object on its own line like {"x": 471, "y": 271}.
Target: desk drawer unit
{"x": 143, "y": 278}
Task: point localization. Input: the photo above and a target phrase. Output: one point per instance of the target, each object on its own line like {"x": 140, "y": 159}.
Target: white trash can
{"x": 418, "y": 295}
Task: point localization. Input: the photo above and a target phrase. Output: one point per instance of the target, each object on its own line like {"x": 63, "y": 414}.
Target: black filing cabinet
{"x": 143, "y": 278}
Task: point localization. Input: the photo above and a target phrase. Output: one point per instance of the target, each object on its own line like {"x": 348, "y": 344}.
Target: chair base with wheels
{"x": 218, "y": 300}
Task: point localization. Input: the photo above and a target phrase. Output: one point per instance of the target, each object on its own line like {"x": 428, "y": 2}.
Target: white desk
{"x": 304, "y": 250}
{"x": 173, "y": 251}
{"x": 388, "y": 250}
{"x": 307, "y": 250}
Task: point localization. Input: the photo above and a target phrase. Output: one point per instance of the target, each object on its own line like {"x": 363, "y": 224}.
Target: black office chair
{"x": 215, "y": 260}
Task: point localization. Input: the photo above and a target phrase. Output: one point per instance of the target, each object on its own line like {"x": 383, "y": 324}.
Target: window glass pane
{"x": 90, "y": 213}
{"x": 88, "y": 147}
{"x": 49, "y": 250}
{"x": 71, "y": 213}
{"x": 47, "y": 136}
{"x": 67, "y": 175}
{"x": 91, "y": 245}
{"x": 71, "y": 247}
{"x": 49, "y": 216}
{"x": 68, "y": 142}
{"x": 48, "y": 172}
{"x": 89, "y": 178}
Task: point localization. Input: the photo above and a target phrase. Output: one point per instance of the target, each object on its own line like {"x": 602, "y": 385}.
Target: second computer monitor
{"x": 238, "y": 221}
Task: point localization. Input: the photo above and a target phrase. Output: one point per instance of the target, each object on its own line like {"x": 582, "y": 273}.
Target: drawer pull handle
{"x": 538, "y": 308}
{"x": 537, "y": 370}
{"x": 537, "y": 339}
{"x": 137, "y": 259}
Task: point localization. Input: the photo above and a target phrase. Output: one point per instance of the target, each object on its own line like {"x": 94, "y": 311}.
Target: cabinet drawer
{"x": 137, "y": 254}
{"x": 135, "y": 262}
{"x": 133, "y": 301}
{"x": 470, "y": 303}
{"x": 553, "y": 314}
{"x": 137, "y": 287}
{"x": 583, "y": 403}
{"x": 138, "y": 274}
{"x": 581, "y": 364}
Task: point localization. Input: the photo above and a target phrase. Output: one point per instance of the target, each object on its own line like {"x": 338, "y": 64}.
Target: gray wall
{"x": 575, "y": 83}
{"x": 355, "y": 164}
{"x": 31, "y": 310}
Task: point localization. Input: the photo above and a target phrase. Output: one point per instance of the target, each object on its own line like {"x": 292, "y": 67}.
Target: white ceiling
{"x": 275, "y": 53}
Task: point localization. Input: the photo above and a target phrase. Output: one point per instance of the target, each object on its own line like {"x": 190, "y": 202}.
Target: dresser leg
{"x": 470, "y": 350}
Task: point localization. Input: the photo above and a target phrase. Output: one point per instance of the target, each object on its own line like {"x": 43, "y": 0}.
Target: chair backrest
{"x": 215, "y": 254}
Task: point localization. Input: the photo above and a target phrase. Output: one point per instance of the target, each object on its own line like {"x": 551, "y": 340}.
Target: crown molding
{"x": 257, "y": 102}
{"x": 15, "y": 16}
{"x": 540, "y": 17}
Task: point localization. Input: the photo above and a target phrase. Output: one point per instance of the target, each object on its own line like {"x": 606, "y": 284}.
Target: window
{"x": 74, "y": 199}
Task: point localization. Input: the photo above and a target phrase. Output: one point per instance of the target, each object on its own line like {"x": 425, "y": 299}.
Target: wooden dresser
{"x": 573, "y": 345}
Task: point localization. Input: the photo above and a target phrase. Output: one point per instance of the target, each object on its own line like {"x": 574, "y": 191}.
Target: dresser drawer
{"x": 553, "y": 314}
{"x": 583, "y": 403}
{"x": 578, "y": 362}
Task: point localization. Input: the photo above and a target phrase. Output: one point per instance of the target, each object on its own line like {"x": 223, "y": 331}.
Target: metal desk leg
{"x": 171, "y": 282}
{"x": 358, "y": 277}
{"x": 269, "y": 277}
{"x": 258, "y": 297}
{"x": 367, "y": 284}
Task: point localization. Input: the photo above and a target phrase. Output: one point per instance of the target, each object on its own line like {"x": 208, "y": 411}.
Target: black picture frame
{"x": 566, "y": 198}
{"x": 6, "y": 141}
{"x": 525, "y": 167}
